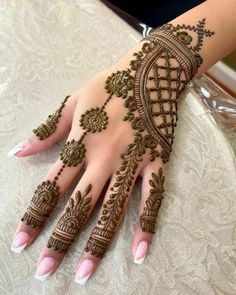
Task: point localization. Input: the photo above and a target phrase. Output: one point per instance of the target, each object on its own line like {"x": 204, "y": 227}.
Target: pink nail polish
{"x": 20, "y": 241}
{"x": 45, "y": 268}
{"x": 141, "y": 252}
{"x": 84, "y": 271}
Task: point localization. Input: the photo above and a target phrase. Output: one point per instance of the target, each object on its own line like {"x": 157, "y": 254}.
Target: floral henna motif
{"x": 46, "y": 129}
{"x": 150, "y": 88}
{"x": 72, "y": 153}
{"x": 42, "y": 204}
{"x": 71, "y": 222}
{"x": 149, "y": 217}
{"x": 158, "y": 74}
{"x": 119, "y": 83}
{"x": 94, "y": 120}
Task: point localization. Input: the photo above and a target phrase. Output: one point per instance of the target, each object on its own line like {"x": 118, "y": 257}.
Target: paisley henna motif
{"x": 71, "y": 222}
{"x": 149, "y": 216}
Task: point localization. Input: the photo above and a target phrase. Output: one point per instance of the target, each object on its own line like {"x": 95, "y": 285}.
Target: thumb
{"x": 56, "y": 126}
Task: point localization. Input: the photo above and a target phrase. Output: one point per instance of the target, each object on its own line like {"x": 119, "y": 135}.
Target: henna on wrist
{"x": 158, "y": 74}
{"x": 150, "y": 89}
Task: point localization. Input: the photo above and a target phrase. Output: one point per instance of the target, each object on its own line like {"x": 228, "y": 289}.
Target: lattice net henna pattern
{"x": 150, "y": 89}
{"x": 159, "y": 74}
{"x": 169, "y": 80}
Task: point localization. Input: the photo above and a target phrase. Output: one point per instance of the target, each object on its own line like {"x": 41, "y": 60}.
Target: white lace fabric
{"x": 49, "y": 48}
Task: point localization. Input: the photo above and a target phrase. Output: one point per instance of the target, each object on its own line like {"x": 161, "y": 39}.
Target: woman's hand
{"x": 120, "y": 126}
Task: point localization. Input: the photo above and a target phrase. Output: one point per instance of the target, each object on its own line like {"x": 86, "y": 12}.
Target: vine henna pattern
{"x": 150, "y": 89}
{"x": 160, "y": 72}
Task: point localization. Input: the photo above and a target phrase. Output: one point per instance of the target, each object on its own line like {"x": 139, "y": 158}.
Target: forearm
{"x": 220, "y": 18}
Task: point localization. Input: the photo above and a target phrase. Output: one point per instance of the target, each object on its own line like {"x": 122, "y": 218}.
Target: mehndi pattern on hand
{"x": 158, "y": 74}
{"x": 150, "y": 89}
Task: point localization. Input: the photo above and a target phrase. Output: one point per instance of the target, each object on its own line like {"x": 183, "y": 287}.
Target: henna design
{"x": 46, "y": 129}
{"x": 165, "y": 64}
{"x": 94, "y": 120}
{"x": 158, "y": 74}
{"x": 149, "y": 217}
{"x": 71, "y": 222}
{"x": 113, "y": 209}
{"x": 119, "y": 83}
{"x": 72, "y": 153}
{"x": 42, "y": 204}
{"x": 187, "y": 39}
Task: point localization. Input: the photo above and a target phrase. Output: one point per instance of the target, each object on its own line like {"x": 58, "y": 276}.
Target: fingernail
{"x": 84, "y": 271}
{"x": 16, "y": 149}
{"x": 20, "y": 242}
{"x": 141, "y": 252}
{"x": 45, "y": 268}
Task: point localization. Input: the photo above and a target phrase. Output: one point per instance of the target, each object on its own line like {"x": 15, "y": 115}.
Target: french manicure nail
{"x": 84, "y": 271}
{"x": 20, "y": 242}
{"x": 16, "y": 149}
{"x": 45, "y": 268}
{"x": 141, "y": 252}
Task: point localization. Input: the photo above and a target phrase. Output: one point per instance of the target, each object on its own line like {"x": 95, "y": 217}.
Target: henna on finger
{"x": 72, "y": 221}
{"x": 114, "y": 207}
{"x": 150, "y": 89}
{"x": 47, "y": 128}
{"x": 158, "y": 74}
{"x": 41, "y": 205}
{"x": 148, "y": 218}
{"x": 72, "y": 154}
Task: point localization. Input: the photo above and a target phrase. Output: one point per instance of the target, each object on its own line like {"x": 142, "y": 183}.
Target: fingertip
{"x": 140, "y": 245}
{"x": 17, "y": 149}
{"x": 20, "y": 241}
{"x": 86, "y": 267}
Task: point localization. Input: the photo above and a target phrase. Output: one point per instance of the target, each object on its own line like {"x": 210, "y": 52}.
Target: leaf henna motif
{"x": 71, "y": 222}
{"x": 149, "y": 217}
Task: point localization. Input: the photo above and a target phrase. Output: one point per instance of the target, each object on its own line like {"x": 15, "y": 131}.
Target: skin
{"x": 118, "y": 134}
